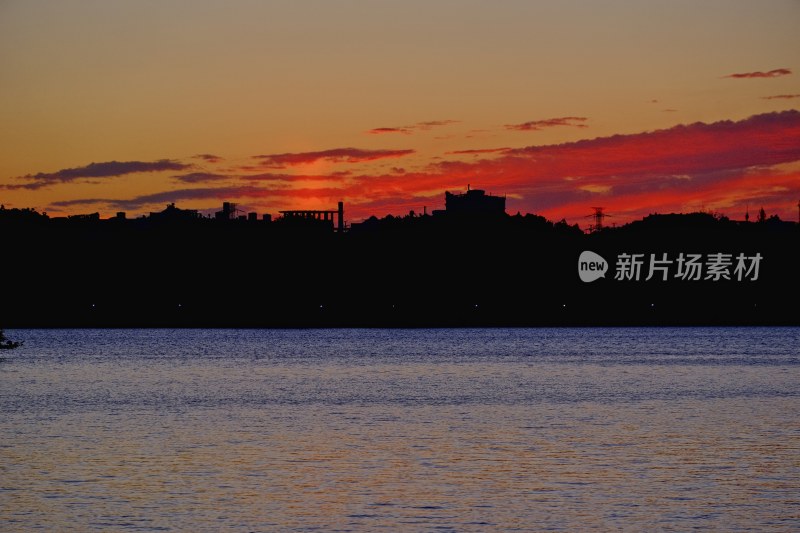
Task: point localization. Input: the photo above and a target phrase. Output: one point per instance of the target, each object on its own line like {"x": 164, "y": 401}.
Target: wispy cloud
{"x": 536, "y": 125}
{"x": 218, "y": 194}
{"x": 98, "y": 170}
{"x": 435, "y": 124}
{"x": 781, "y": 97}
{"x": 337, "y": 155}
{"x": 408, "y": 130}
{"x": 382, "y": 131}
{"x": 81, "y": 201}
{"x": 25, "y": 186}
{"x": 211, "y": 158}
{"x": 758, "y": 74}
{"x": 210, "y": 177}
{"x": 270, "y": 177}
{"x": 200, "y": 177}
{"x": 163, "y": 197}
{"x": 477, "y": 151}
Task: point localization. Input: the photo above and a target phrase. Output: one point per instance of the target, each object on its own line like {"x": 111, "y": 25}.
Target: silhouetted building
{"x": 472, "y": 202}
{"x": 319, "y": 214}
{"x": 90, "y": 216}
{"x": 252, "y": 217}
{"x": 228, "y": 212}
{"x": 172, "y": 213}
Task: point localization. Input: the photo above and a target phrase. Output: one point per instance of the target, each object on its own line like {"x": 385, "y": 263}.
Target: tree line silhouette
{"x": 415, "y": 270}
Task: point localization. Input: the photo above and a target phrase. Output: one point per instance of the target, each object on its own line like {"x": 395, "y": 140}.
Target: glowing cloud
{"x": 714, "y": 165}
{"x": 682, "y": 167}
{"x": 597, "y": 189}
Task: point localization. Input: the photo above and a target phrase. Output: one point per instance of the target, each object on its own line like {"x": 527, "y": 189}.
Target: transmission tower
{"x": 598, "y": 217}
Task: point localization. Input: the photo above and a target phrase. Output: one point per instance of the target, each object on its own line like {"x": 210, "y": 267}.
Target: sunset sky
{"x": 637, "y": 106}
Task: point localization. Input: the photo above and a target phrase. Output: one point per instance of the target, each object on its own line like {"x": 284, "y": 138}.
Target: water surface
{"x": 359, "y": 430}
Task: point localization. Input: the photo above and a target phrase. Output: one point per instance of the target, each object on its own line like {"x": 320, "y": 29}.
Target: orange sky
{"x": 642, "y": 107}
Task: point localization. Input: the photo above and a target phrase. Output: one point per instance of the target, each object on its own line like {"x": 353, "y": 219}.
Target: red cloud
{"x": 722, "y": 166}
{"x": 771, "y": 74}
{"x": 680, "y": 168}
{"x": 536, "y": 125}
{"x": 337, "y": 155}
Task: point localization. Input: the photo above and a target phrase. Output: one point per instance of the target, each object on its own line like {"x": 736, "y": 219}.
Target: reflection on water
{"x": 464, "y": 430}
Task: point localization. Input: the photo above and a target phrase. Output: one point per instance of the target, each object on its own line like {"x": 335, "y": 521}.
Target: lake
{"x": 393, "y": 429}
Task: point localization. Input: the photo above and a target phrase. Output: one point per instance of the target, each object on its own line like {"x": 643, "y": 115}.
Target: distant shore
{"x": 416, "y": 271}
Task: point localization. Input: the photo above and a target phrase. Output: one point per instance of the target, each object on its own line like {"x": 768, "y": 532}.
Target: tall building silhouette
{"x": 474, "y": 202}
